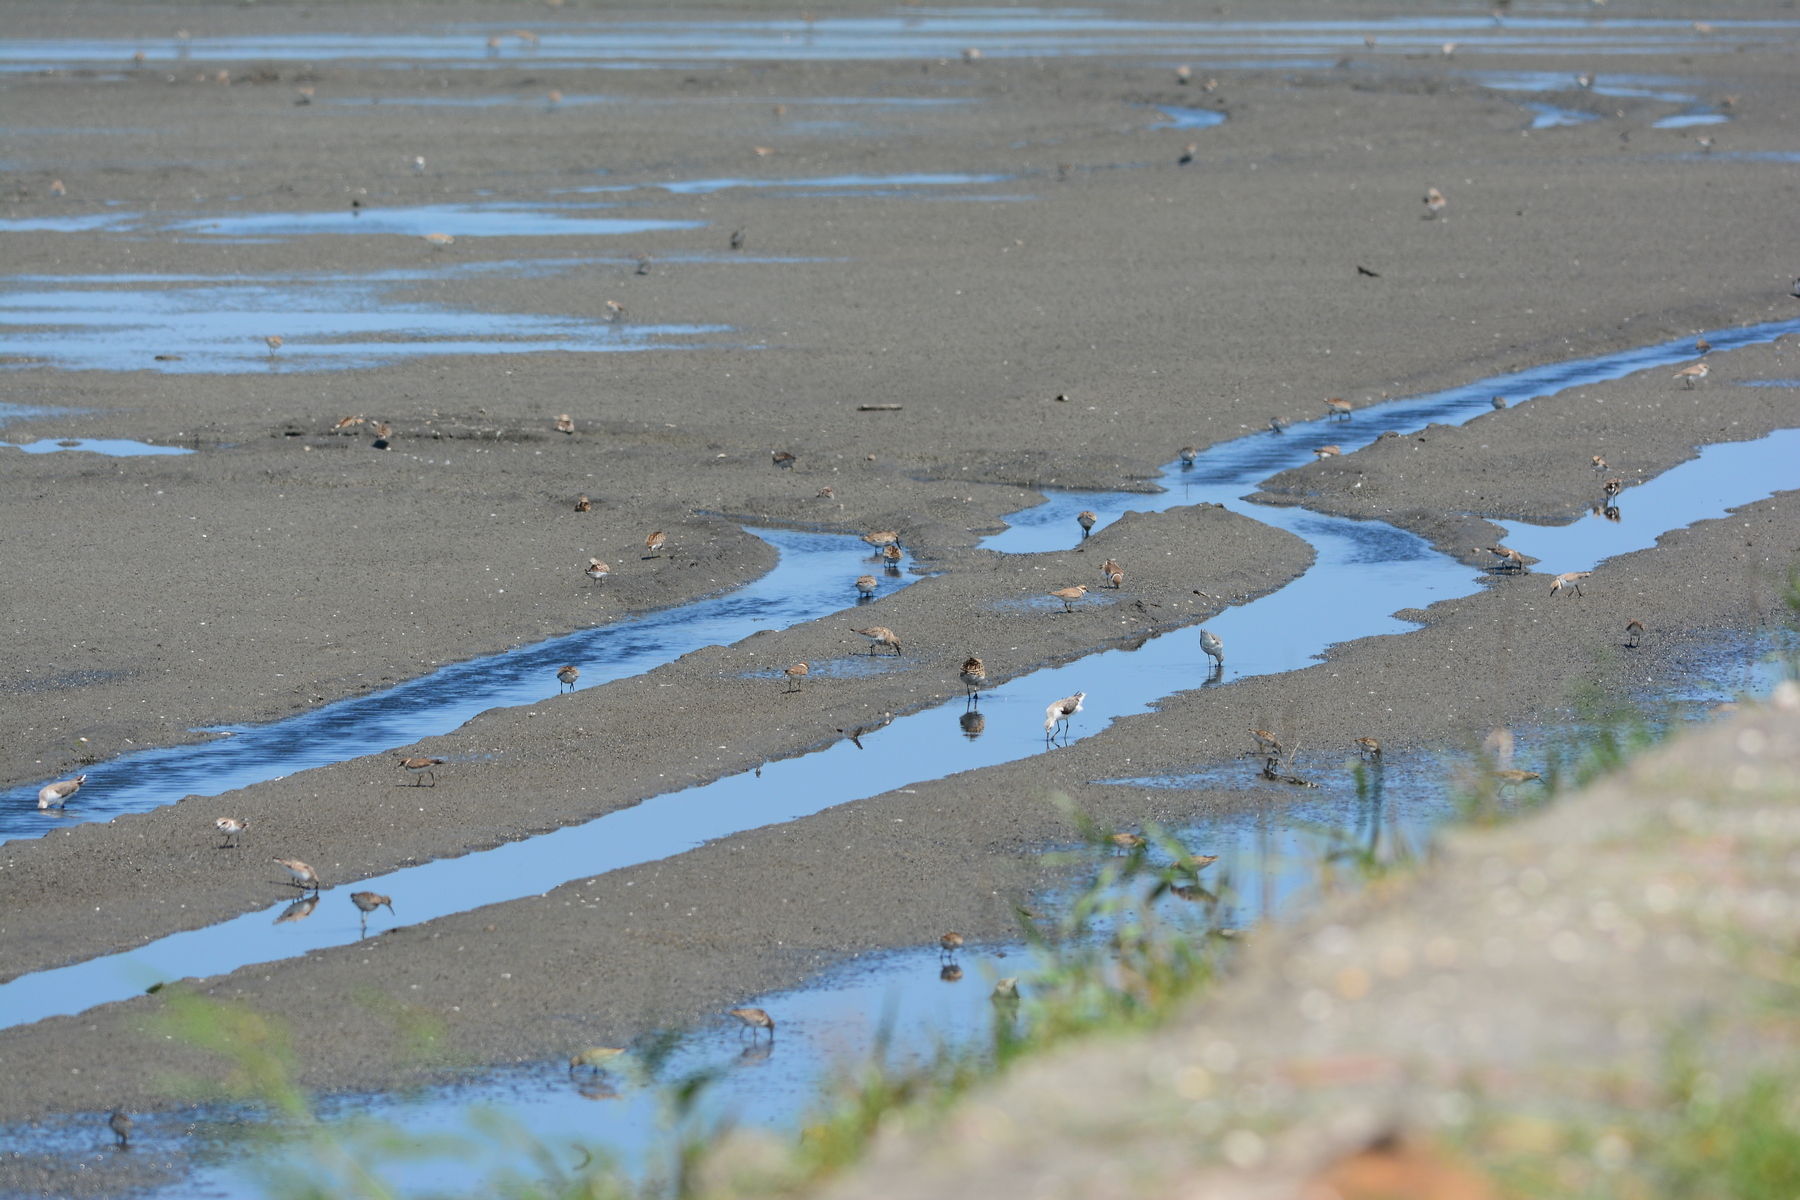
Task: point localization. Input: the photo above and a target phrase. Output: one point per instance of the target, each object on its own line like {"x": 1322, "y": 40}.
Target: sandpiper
{"x": 1110, "y": 567}
{"x": 891, "y": 556}
{"x": 567, "y": 676}
{"x": 422, "y": 767}
{"x": 55, "y": 795}
{"x": 1115, "y": 579}
{"x": 1337, "y": 406}
{"x": 368, "y": 902}
{"x": 1510, "y": 560}
{"x": 1701, "y": 345}
{"x": 596, "y": 570}
{"x": 1499, "y": 402}
{"x": 1599, "y": 464}
{"x": 950, "y": 943}
{"x": 1690, "y": 375}
{"x": 349, "y": 422}
{"x": 1188, "y": 455}
{"x": 273, "y": 342}
{"x": 782, "y": 458}
{"x": 1267, "y": 744}
{"x": 1278, "y": 425}
{"x": 655, "y": 542}
{"x": 1128, "y": 841}
{"x": 1634, "y": 631}
{"x": 304, "y": 876}
{"x": 974, "y": 677}
{"x": 232, "y": 827}
{"x": 825, "y": 493}
{"x": 755, "y": 1019}
{"x": 583, "y": 504}
{"x": 596, "y": 1058}
{"x": 865, "y": 587}
{"x": 879, "y": 635}
{"x": 565, "y": 423}
{"x": 1321, "y": 453}
{"x": 1086, "y": 519}
{"x": 882, "y": 537}
{"x": 1184, "y": 75}
{"x": 1215, "y": 649}
{"x": 1070, "y": 595}
{"x": 1435, "y": 202}
{"x": 736, "y": 241}
{"x": 1512, "y": 776}
{"x": 1368, "y": 749}
{"x": 795, "y": 674}
{"x": 1569, "y": 579}
{"x": 1060, "y": 711}
{"x": 120, "y": 1124}
{"x": 438, "y": 241}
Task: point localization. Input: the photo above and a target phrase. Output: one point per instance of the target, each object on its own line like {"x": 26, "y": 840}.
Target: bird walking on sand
{"x": 1570, "y": 580}
{"x": 825, "y": 493}
{"x": 420, "y": 767}
{"x": 567, "y": 676}
{"x": 1368, "y": 749}
{"x": 1634, "y": 632}
{"x": 120, "y": 1124}
{"x": 304, "y": 877}
{"x": 233, "y": 828}
{"x": 596, "y": 570}
{"x": 865, "y": 587}
{"x": 1215, "y": 649}
{"x": 879, "y": 635}
{"x": 655, "y": 542}
{"x": 440, "y": 241}
{"x": 1338, "y": 407}
{"x": 782, "y": 458}
{"x": 949, "y": 944}
{"x": 368, "y": 902}
{"x": 1115, "y": 579}
{"x": 1070, "y": 595}
{"x": 55, "y": 795}
{"x": 1512, "y": 777}
{"x": 974, "y": 677}
{"x": 565, "y": 423}
{"x": 755, "y": 1019}
{"x": 882, "y": 538}
{"x": 1086, "y": 519}
{"x": 1435, "y": 202}
{"x": 795, "y": 674}
{"x": 1110, "y": 567}
{"x": 1060, "y": 711}
{"x": 583, "y": 504}
{"x": 1692, "y": 374}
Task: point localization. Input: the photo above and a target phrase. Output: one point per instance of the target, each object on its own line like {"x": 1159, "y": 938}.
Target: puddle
{"x": 824, "y": 184}
{"x": 458, "y": 220}
{"x": 116, "y": 447}
{"x": 1548, "y": 116}
{"x": 1189, "y": 118}
{"x": 1688, "y": 120}
{"x": 184, "y": 324}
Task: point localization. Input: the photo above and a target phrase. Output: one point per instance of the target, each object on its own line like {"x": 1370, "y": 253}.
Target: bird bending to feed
{"x": 1128, "y": 841}
{"x": 655, "y": 542}
{"x": 422, "y": 767}
{"x": 1435, "y": 202}
{"x": 1571, "y": 580}
{"x": 1510, "y": 560}
{"x": 568, "y": 675}
{"x": 1060, "y": 711}
{"x": 755, "y": 1019}
{"x": 973, "y": 676}
{"x": 1499, "y": 401}
{"x": 1267, "y": 744}
{"x": 232, "y": 827}
{"x": 565, "y": 423}
{"x": 950, "y": 943}
{"x": 882, "y": 537}
{"x": 1115, "y": 579}
{"x": 1215, "y": 649}
{"x": 879, "y": 635}
{"x": 1701, "y": 345}
{"x": 1690, "y": 375}
{"x": 1070, "y": 595}
{"x": 1634, "y": 631}
{"x": 583, "y": 504}
{"x": 595, "y": 1057}
{"x": 1368, "y": 749}
{"x": 795, "y": 674}
{"x": 825, "y": 493}
{"x": 1512, "y": 776}
{"x": 891, "y": 556}
{"x": 1338, "y": 407}
{"x": 368, "y": 902}
{"x": 782, "y": 458}
{"x": 437, "y": 241}
{"x": 1188, "y": 455}
{"x": 120, "y": 1124}
{"x": 596, "y": 570}
{"x": 304, "y": 876}
{"x": 55, "y": 795}
{"x": 1086, "y": 519}
{"x": 1322, "y": 453}
{"x": 866, "y": 585}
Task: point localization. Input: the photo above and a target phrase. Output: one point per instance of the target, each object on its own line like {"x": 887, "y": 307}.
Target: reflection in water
{"x": 972, "y": 724}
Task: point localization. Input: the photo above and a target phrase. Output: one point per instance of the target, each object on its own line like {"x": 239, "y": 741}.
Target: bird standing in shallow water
{"x": 755, "y": 1019}
{"x": 1338, "y": 407}
{"x": 368, "y": 902}
{"x": 304, "y": 876}
{"x": 1215, "y": 649}
{"x": 1060, "y": 711}
{"x": 120, "y": 1124}
{"x": 950, "y": 943}
{"x": 1086, "y": 519}
{"x": 55, "y": 795}
{"x": 568, "y": 675}
{"x": 1070, "y": 595}
{"x": 1368, "y": 749}
{"x": 974, "y": 677}
{"x": 865, "y": 587}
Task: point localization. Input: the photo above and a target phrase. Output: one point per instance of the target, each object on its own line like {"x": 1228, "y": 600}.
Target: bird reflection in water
{"x": 950, "y": 973}
{"x": 973, "y": 723}
{"x": 755, "y": 1053}
{"x": 299, "y": 910}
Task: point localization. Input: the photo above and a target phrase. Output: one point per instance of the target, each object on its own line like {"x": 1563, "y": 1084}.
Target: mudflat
{"x": 943, "y": 283}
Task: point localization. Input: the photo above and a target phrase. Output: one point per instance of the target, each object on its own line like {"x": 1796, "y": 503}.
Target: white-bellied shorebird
{"x": 1189, "y": 153}
{"x": 565, "y": 423}
{"x": 1267, "y": 744}
{"x": 303, "y": 875}
{"x": 120, "y": 1124}
{"x": 1599, "y": 464}
{"x": 1570, "y": 580}
{"x": 1701, "y": 345}
{"x": 1086, "y": 519}
{"x": 273, "y": 342}
{"x": 974, "y": 677}
{"x": 1692, "y": 374}
{"x": 891, "y": 555}
{"x": 1109, "y": 567}
{"x": 1510, "y": 560}
{"x": 1070, "y": 595}
{"x": 1337, "y": 407}
{"x": 1060, "y": 711}
{"x": 1435, "y": 202}
{"x": 613, "y": 312}
{"x": 782, "y": 458}
{"x": 595, "y": 1058}
{"x": 1184, "y": 75}
{"x": 420, "y": 767}
{"x": 583, "y": 504}
{"x": 1215, "y": 649}
{"x": 881, "y": 538}
{"x": 865, "y": 587}
{"x": 1368, "y": 749}
{"x": 1115, "y": 579}
{"x": 1634, "y": 632}
{"x": 1128, "y": 841}
{"x": 1498, "y": 402}
{"x": 55, "y": 795}
{"x": 596, "y": 570}
{"x": 439, "y": 241}
{"x": 233, "y": 828}
{"x": 795, "y": 674}
{"x": 368, "y": 902}
{"x": 566, "y": 676}
{"x": 736, "y": 241}
{"x": 754, "y": 1019}
{"x": 949, "y": 944}
{"x": 654, "y": 543}
{"x": 348, "y": 423}
{"x": 1188, "y": 455}
{"x": 1321, "y": 453}
{"x": 825, "y": 493}
{"x": 879, "y": 635}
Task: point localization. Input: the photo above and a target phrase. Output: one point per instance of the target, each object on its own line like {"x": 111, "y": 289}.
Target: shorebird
{"x": 1215, "y": 649}
{"x": 882, "y": 538}
{"x": 1690, "y": 375}
{"x": 1198, "y": 862}
{"x": 1184, "y": 75}
{"x": 566, "y": 676}
{"x": 1321, "y": 453}
{"x": 1109, "y": 567}
{"x": 583, "y": 504}
{"x": 232, "y": 827}
{"x": 304, "y": 876}
{"x": 1188, "y": 455}
{"x": 368, "y": 902}
{"x": 596, "y": 570}
{"x": 1277, "y": 425}
{"x": 891, "y": 556}
{"x": 1188, "y": 153}
{"x": 348, "y": 422}
{"x": 552, "y": 98}
{"x": 655, "y": 542}
{"x": 1006, "y": 991}
{"x": 1086, "y": 519}
{"x": 1512, "y": 776}
{"x": 1435, "y": 202}
{"x": 865, "y": 586}
{"x": 825, "y": 493}
{"x": 1701, "y": 345}
{"x": 1128, "y": 841}
{"x": 120, "y": 1124}
{"x": 422, "y": 767}
{"x": 950, "y": 943}
{"x": 782, "y": 458}
{"x": 565, "y": 423}
{"x": 1499, "y": 401}
{"x": 1070, "y": 595}
{"x": 273, "y": 342}
{"x": 1368, "y": 749}
{"x": 594, "y": 1057}
{"x": 1599, "y": 464}
{"x": 1634, "y": 630}
{"x": 1115, "y": 579}
{"x": 1338, "y": 407}
{"x": 737, "y": 239}
{"x": 1510, "y": 560}
{"x": 1613, "y": 487}
{"x": 643, "y": 268}
{"x": 1571, "y": 580}
{"x": 55, "y": 795}
{"x": 1060, "y": 711}
{"x": 795, "y": 674}
{"x": 614, "y": 310}
{"x": 879, "y": 635}
{"x": 1267, "y": 744}
{"x": 755, "y": 1019}
{"x": 973, "y": 676}
{"x": 382, "y": 431}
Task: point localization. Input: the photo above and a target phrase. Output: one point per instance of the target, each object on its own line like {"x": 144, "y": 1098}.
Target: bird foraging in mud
{"x": 654, "y": 543}
{"x": 596, "y": 570}
{"x": 420, "y": 767}
{"x": 1267, "y": 744}
{"x": 1215, "y": 649}
{"x": 1070, "y": 595}
{"x": 879, "y": 635}
{"x": 565, "y": 423}
{"x": 1570, "y": 580}
{"x": 368, "y": 902}
{"x": 55, "y": 795}
{"x": 782, "y": 458}
{"x": 1337, "y": 406}
{"x": 1188, "y": 455}
{"x": 1435, "y": 202}
{"x": 1060, "y": 711}
{"x": 1368, "y": 749}
{"x": 120, "y": 1124}
{"x": 303, "y": 876}
{"x": 1510, "y": 560}
{"x": 754, "y": 1020}
{"x": 583, "y": 504}
{"x": 596, "y": 1058}
{"x": 865, "y": 587}
{"x": 1692, "y": 374}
